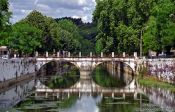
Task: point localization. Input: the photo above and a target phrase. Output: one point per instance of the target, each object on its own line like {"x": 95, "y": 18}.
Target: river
{"x": 23, "y": 97}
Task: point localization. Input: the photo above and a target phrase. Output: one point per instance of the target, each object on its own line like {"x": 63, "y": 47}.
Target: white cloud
{"x": 53, "y": 8}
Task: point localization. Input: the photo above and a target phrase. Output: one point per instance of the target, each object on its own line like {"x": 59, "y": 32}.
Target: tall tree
{"x": 24, "y": 38}
{"x": 122, "y": 23}
{"x": 4, "y": 20}
{"x": 4, "y": 14}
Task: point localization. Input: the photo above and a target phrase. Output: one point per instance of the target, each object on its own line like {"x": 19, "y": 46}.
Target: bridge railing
{"x": 69, "y": 55}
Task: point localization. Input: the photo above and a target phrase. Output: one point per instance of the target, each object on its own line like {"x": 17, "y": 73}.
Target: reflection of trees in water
{"x": 163, "y": 98}
{"x": 59, "y": 75}
{"x": 112, "y": 75}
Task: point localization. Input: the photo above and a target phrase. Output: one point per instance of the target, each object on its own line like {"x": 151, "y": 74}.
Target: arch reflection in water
{"x": 113, "y": 74}
{"x": 59, "y": 75}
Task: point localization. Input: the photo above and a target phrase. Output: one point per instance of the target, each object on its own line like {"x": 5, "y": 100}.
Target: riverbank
{"x": 150, "y": 81}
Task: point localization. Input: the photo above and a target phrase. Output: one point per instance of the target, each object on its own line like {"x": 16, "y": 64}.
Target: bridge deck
{"x": 46, "y": 90}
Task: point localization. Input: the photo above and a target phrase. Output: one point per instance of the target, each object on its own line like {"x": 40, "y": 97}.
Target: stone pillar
{"x": 68, "y": 54}
{"x": 101, "y": 95}
{"x": 113, "y": 54}
{"x": 85, "y": 75}
{"x": 57, "y": 95}
{"x": 46, "y": 95}
{"x": 14, "y": 55}
{"x": 58, "y": 54}
{"x": 36, "y": 94}
{"x": 79, "y": 95}
{"x": 101, "y": 54}
{"x": 135, "y": 54}
{"x": 79, "y": 54}
{"x": 124, "y": 96}
{"x": 47, "y": 54}
{"x": 68, "y": 95}
{"x": 90, "y": 54}
{"x": 135, "y": 95}
{"x": 63, "y": 54}
{"x": 113, "y": 95}
{"x": 124, "y": 54}
{"x": 36, "y": 54}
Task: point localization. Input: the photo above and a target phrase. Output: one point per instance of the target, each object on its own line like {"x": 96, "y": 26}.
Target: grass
{"x": 150, "y": 81}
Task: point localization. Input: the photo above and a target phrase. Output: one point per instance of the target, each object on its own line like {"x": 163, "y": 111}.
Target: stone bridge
{"x": 88, "y": 64}
{"x": 166, "y": 66}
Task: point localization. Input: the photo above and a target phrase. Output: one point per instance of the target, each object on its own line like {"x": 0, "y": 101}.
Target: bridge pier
{"x": 85, "y": 74}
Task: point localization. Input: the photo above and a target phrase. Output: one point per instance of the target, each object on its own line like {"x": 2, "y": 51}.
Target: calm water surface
{"x": 22, "y": 98}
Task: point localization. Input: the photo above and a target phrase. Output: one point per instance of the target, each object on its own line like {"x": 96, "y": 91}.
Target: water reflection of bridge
{"x": 88, "y": 87}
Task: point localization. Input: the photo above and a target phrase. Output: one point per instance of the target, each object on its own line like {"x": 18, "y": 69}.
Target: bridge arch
{"x": 116, "y": 69}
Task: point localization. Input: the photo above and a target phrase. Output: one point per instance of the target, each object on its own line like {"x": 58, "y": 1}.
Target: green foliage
{"x": 58, "y": 35}
{"x": 154, "y": 82}
{"x": 4, "y": 21}
{"x": 4, "y": 14}
{"x": 102, "y": 77}
{"x": 65, "y": 80}
{"x": 69, "y": 36}
{"x": 121, "y": 23}
{"x": 24, "y": 38}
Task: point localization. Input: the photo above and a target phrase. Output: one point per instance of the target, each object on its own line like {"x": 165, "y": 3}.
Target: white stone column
{"x": 69, "y": 54}
{"x": 58, "y": 54}
{"x": 36, "y": 54}
{"x": 101, "y": 54}
{"x": 124, "y": 96}
{"x": 79, "y": 54}
{"x": 124, "y": 54}
{"x": 14, "y": 55}
{"x": 90, "y": 54}
{"x": 113, "y": 54}
{"x": 135, "y": 54}
{"x": 47, "y": 54}
{"x": 113, "y": 95}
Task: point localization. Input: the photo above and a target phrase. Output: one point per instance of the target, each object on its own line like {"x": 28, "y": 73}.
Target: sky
{"x": 53, "y": 8}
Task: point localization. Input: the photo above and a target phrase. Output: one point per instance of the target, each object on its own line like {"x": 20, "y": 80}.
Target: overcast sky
{"x": 53, "y": 8}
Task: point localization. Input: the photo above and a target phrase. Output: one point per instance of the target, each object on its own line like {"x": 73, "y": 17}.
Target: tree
{"x": 160, "y": 32}
{"x": 24, "y": 38}
{"x": 73, "y": 37}
{"x": 4, "y": 21}
{"x": 4, "y": 14}
{"x": 121, "y": 23}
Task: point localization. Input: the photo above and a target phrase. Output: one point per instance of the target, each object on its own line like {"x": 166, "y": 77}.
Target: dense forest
{"x": 118, "y": 25}
{"x": 123, "y": 24}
